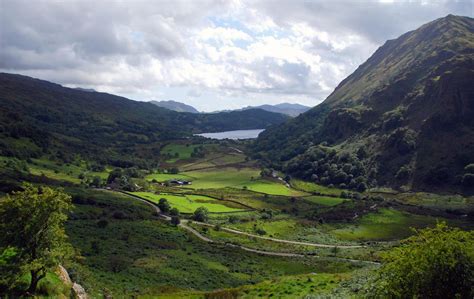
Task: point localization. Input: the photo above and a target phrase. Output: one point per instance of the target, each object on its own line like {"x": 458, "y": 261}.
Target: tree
{"x": 174, "y": 212}
{"x": 164, "y": 205}
{"x": 32, "y": 224}
{"x": 201, "y": 214}
{"x": 175, "y": 220}
{"x": 435, "y": 263}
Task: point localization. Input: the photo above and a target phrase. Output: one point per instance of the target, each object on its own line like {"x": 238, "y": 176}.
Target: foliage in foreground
{"x": 32, "y": 236}
{"x": 435, "y": 263}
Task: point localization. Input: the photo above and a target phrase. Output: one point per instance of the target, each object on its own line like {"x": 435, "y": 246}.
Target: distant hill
{"x": 284, "y": 108}
{"x": 403, "y": 119}
{"x": 39, "y": 117}
{"x": 175, "y": 106}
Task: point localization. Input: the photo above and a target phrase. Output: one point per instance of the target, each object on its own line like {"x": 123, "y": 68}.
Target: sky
{"x": 211, "y": 54}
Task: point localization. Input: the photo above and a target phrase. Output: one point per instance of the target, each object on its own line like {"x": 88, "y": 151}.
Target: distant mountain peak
{"x": 175, "y": 106}
{"x": 290, "y": 109}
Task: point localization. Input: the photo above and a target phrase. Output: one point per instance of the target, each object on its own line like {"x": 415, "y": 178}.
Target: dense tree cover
{"x": 32, "y": 236}
{"x": 435, "y": 263}
{"x": 39, "y": 117}
{"x": 325, "y": 166}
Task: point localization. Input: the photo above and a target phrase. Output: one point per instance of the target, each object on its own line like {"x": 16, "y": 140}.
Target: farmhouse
{"x": 179, "y": 182}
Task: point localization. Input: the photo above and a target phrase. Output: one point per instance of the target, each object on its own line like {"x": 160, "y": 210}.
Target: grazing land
{"x": 188, "y": 203}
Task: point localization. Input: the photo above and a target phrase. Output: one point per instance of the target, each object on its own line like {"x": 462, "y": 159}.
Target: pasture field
{"x": 135, "y": 254}
{"x": 217, "y": 178}
{"x": 220, "y": 235}
{"x": 313, "y": 188}
{"x": 217, "y": 159}
{"x": 187, "y": 203}
{"x": 384, "y": 225}
{"x": 162, "y": 177}
{"x": 60, "y": 171}
{"x": 272, "y": 187}
{"x": 184, "y": 151}
{"x": 324, "y": 200}
{"x": 298, "y": 286}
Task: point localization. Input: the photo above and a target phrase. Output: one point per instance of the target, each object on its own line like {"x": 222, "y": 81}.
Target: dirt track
{"x": 184, "y": 225}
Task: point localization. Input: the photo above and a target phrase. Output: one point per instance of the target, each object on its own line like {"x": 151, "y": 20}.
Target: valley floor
{"x": 264, "y": 237}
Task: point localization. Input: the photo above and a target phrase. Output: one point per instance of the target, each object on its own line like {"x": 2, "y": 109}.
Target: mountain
{"x": 39, "y": 117}
{"x": 175, "y": 106}
{"x": 284, "y": 108}
{"x": 403, "y": 119}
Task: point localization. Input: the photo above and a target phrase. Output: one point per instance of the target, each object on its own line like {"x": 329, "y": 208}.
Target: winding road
{"x": 184, "y": 225}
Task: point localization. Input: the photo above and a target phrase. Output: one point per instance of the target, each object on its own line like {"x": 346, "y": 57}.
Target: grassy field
{"x": 272, "y": 187}
{"x": 186, "y": 203}
{"x": 386, "y": 224}
{"x": 324, "y": 200}
{"x": 162, "y": 177}
{"x": 184, "y": 151}
{"x": 137, "y": 255}
{"x": 313, "y": 188}
{"x": 222, "y": 177}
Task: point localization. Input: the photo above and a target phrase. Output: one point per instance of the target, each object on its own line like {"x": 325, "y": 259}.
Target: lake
{"x": 239, "y": 134}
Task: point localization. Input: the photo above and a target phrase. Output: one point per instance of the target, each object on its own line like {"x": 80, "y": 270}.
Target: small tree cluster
{"x": 324, "y": 166}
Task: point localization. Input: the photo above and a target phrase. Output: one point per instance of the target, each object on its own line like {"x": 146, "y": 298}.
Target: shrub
{"x": 435, "y": 263}
{"x": 175, "y": 220}
{"x": 201, "y": 214}
{"x": 164, "y": 205}
{"x": 174, "y": 212}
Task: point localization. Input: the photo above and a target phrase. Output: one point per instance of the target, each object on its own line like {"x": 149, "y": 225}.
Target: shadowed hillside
{"x": 404, "y": 118}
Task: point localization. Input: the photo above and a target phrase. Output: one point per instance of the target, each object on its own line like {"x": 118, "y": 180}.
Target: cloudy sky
{"x": 211, "y": 54}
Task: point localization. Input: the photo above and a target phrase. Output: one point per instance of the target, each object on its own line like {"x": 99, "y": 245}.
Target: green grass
{"x": 384, "y": 225}
{"x": 138, "y": 255}
{"x": 63, "y": 172}
{"x": 222, "y": 177}
{"x": 184, "y": 151}
{"x": 162, "y": 177}
{"x": 189, "y": 203}
{"x": 313, "y": 188}
{"x": 298, "y": 286}
{"x": 276, "y": 228}
{"x": 325, "y": 200}
{"x": 272, "y": 187}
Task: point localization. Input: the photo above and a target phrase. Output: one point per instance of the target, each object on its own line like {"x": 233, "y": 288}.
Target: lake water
{"x": 239, "y": 134}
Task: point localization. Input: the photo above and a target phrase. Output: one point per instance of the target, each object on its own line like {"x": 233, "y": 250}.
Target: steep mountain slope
{"x": 404, "y": 118}
{"x": 283, "y": 108}
{"x": 38, "y": 117}
{"x": 175, "y": 106}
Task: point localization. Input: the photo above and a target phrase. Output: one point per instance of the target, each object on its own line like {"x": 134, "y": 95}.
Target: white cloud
{"x": 224, "y": 54}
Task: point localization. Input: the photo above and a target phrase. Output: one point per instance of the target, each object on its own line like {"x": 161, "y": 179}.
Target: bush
{"x": 164, "y": 205}
{"x": 435, "y": 263}
{"x": 174, "y": 212}
{"x": 175, "y": 220}
{"x": 260, "y": 231}
{"x": 201, "y": 214}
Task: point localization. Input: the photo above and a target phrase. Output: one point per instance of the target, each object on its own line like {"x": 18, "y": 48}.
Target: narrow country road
{"x": 184, "y": 225}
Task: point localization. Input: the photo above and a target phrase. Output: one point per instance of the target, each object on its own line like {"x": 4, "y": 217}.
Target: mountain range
{"x": 39, "y": 117}
{"x": 289, "y": 109}
{"x": 403, "y": 119}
